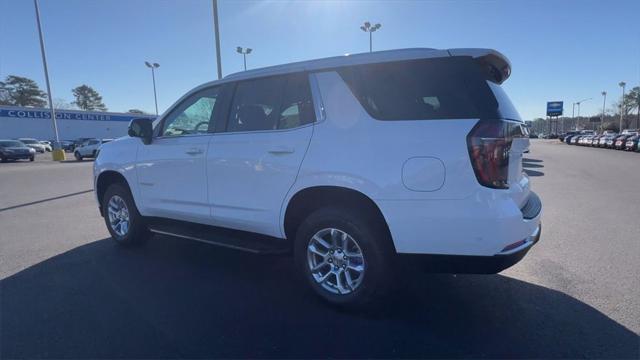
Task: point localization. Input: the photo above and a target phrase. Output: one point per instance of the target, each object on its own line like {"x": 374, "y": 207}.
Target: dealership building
{"x": 18, "y": 122}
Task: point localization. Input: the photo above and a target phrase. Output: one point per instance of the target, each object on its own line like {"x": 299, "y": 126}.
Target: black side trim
{"x": 532, "y": 207}
{"x": 229, "y": 238}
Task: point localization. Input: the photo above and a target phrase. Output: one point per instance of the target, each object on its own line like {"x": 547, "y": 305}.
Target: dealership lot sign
{"x": 554, "y": 108}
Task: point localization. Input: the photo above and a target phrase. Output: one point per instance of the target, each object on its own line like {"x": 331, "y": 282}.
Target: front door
{"x": 172, "y": 173}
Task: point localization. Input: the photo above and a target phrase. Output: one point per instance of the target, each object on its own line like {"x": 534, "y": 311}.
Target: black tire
{"x": 373, "y": 239}
{"x": 77, "y": 155}
{"x": 137, "y": 232}
{"x": 93, "y": 155}
{"x": 32, "y": 158}
{"x": 3, "y": 159}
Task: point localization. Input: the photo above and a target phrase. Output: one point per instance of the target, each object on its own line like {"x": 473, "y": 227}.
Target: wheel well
{"x": 308, "y": 200}
{"x": 105, "y": 179}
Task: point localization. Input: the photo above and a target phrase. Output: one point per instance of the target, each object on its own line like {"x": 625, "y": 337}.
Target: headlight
{"x": 32, "y": 150}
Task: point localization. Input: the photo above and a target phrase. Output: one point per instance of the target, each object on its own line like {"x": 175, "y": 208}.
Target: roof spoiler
{"x": 496, "y": 65}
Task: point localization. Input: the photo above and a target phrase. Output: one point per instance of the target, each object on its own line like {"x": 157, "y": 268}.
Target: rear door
{"x": 172, "y": 173}
{"x": 254, "y": 162}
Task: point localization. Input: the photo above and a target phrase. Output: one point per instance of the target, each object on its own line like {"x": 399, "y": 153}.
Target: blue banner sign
{"x": 27, "y": 113}
{"x": 554, "y": 108}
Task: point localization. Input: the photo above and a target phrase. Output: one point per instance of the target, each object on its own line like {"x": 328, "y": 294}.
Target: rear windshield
{"x": 443, "y": 88}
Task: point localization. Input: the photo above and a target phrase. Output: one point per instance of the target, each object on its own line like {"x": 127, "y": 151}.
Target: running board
{"x": 229, "y": 238}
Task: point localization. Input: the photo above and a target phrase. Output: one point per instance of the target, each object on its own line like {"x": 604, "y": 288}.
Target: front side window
{"x": 192, "y": 116}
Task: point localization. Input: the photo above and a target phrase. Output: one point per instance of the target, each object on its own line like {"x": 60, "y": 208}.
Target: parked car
{"x": 67, "y": 145}
{"x": 632, "y": 143}
{"x": 620, "y": 142}
{"x": 47, "y": 145}
{"x": 81, "y": 141}
{"x": 33, "y": 143}
{"x": 567, "y": 137}
{"x": 15, "y": 150}
{"x": 575, "y": 139}
{"x": 289, "y": 159}
{"x": 89, "y": 148}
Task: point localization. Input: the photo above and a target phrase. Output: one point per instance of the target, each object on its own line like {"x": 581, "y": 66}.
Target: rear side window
{"x": 278, "y": 102}
{"x": 443, "y": 88}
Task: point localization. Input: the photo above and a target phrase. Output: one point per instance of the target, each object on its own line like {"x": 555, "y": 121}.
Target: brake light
{"x": 489, "y": 143}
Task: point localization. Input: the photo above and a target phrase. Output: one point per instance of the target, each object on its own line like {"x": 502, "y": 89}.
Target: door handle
{"x": 194, "y": 151}
{"x": 281, "y": 150}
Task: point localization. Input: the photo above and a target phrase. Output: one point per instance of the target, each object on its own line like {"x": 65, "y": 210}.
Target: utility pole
{"x": 604, "y": 103}
{"x": 57, "y": 154}
{"x": 367, "y": 27}
{"x": 216, "y": 34}
{"x": 244, "y": 52}
{"x": 153, "y": 76}
{"x": 622, "y": 84}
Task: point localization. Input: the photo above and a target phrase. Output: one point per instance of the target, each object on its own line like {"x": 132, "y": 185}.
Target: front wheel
{"x": 31, "y": 158}
{"x": 344, "y": 256}
{"x": 77, "y": 156}
{"x": 124, "y": 222}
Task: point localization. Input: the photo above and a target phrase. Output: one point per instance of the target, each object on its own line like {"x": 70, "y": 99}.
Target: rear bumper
{"x": 461, "y": 264}
{"x": 481, "y": 225}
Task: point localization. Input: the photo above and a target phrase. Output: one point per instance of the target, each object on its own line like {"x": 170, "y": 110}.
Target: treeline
{"x": 22, "y": 91}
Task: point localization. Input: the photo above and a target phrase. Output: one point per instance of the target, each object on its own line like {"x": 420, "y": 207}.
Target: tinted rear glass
{"x": 443, "y": 88}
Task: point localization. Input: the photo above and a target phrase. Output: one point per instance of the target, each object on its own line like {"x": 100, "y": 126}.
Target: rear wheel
{"x": 77, "y": 156}
{"x": 32, "y": 158}
{"x": 343, "y": 256}
{"x": 124, "y": 222}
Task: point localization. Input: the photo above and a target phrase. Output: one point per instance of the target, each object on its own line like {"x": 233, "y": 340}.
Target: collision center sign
{"x": 27, "y": 113}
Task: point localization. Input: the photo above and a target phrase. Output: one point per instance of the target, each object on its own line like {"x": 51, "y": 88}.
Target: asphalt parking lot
{"x": 67, "y": 291}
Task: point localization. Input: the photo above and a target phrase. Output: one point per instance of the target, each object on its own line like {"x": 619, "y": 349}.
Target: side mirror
{"x": 142, "y": 128}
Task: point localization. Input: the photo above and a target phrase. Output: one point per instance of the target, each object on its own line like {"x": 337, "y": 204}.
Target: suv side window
{"x": 192, "y": 116}
{"x": 256, "y": 104}
{"x": 297, "y": 107}
{"x": 278, "y": 102}
{"x": 93, "y": 142}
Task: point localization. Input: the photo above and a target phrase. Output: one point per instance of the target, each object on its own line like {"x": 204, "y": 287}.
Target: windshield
{"x": 11, "y": 144}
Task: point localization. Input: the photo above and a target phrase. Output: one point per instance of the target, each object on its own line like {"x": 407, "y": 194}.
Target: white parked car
{"x": 353, "y": 164}
{"x": 34, "y": 144}
{"x": 47, "y": 145}
{"x": 89, "y": 148}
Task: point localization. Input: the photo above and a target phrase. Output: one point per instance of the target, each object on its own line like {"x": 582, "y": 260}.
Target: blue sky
{"x": 560, "y": 50}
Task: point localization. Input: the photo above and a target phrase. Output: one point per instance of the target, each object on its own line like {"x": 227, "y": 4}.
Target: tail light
{"x": 489, "y": 143}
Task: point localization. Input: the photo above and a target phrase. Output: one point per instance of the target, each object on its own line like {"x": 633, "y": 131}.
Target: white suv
{"x": 353, "y": 164}
{"x": 89, "y": 148}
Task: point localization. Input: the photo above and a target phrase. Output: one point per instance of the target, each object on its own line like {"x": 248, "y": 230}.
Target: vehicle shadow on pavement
{"x": 173, "y": 298}
{"x": 528, "y": 164}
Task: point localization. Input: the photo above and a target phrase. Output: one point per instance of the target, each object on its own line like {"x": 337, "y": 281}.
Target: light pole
{"x": 153, "y": 67}
{"x": 578, "y": 103}
{"x": 622, "y": 85}
{"x": 216, "y": 34}
{"x": 244, "y": 53}
{"x": 604, "y": 103}
{"x": 367, "y": 27}
{"x": 56, "y": 153}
